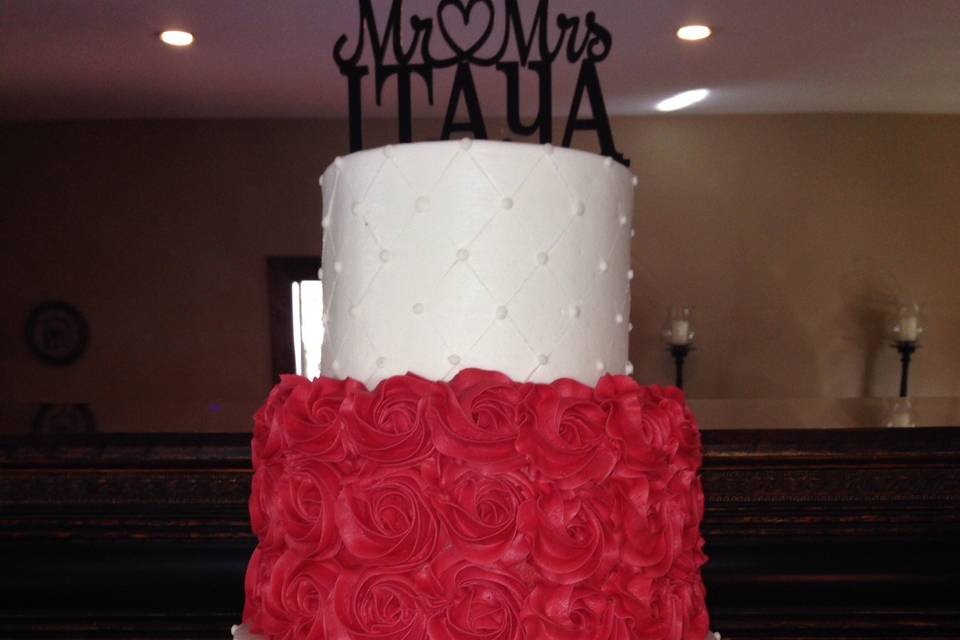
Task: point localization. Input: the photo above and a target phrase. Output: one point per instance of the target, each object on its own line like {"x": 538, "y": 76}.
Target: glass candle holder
{"x": 900, "y": 414}
{"x": 908, "y": 324}
{"x": 678, "y": 328}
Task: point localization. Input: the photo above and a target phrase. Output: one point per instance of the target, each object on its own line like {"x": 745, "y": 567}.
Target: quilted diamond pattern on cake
{"x": 502, "y": 337}
{"x": 423, "y": 164}
{"x": 459, "y": 189}
{"x": 462, "y": 308}
{"x": 544, "y": 204}
{"x": 388, "y": 205}
{"x": 500, "y": 255}
{"x": 507, "y": 172}
{"x": 541, "y": 311}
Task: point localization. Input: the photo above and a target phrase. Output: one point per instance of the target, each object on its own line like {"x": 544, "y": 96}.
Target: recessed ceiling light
{"x": 177, "y": 38}
{"x": 681, "y": 100}
{"x": 694, "y": 32}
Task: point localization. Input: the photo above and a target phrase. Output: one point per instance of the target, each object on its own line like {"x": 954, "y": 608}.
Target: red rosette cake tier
{"x": 478, "y": 508}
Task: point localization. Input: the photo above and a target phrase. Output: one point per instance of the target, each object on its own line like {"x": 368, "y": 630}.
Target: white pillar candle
{"x": 908, "y": 328}
{"x": 680, "y": 332}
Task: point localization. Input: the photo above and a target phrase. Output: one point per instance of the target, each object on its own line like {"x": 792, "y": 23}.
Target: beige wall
{"x": 790, "y": 235}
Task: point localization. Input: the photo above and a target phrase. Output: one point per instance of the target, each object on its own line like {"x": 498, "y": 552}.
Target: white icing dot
{"x": 623, "y": 220}
{"x": 628, "y": 368}
{"x": 574, "y": 311}
{"x": 354, "y": 311}
{"x": 629, "y": 274}
{"x": 507, "y": 203}
{"x": 381, "y": 361}
{"x": 599, "y": 364}
{"x": 388, "y": 151}
{"x": 634, "y": 180}
{"x": 320, "y": 181}
{"x": 543, "y": 258}
{"x": 320, "y": 273}
{"x": 462, "y": 254}
{"x": 233, "y": 629}
{"x": 633, "y": 233}
{"x": 543, "y": 358}
{"x": 338, "y": 162}
{"x": 422, "y": 204}
{"x": 337, "y": 266}
{"x": 465, "y": 143}
{"x": 603, "y": 266}
{"x": 336, "y": 365}
{"x": 384, "y": 256}
{"x": 454, "y": 359}
{"x": 579, "y": 208}
{"x": 548, "y": 149}
{"x": 418, "y": 308}
{"x": 325, "y": 222}
{"x": 630, "y": 327}
{"x": 608, "y": 162}
{"x": 501, "y": 313}
{"x": 618, "y": 318}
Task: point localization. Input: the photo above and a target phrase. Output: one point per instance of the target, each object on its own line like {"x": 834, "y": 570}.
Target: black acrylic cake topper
{"x": 579, "y": 40}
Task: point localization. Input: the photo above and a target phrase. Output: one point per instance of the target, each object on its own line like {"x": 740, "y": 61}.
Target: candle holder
{"x": 678, "y": 334}
{"x": 900, "y": 414}
{"x": 906, "y": 349}
{"x": 905, "y": 333}
{"x": 679, "y": 353}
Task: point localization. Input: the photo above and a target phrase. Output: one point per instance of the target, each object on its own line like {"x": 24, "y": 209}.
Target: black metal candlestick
{"x": 679, "y": 353}
{"x": 905, "y": 348}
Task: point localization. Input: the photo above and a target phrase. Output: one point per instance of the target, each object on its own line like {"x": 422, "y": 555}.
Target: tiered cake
{"x": 466, "y": 466}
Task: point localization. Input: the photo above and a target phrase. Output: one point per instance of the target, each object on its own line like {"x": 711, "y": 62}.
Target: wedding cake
{"x": 474, "y": 461}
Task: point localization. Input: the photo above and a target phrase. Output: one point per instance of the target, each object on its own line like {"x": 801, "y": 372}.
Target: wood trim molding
{"x": 811, "y": 534}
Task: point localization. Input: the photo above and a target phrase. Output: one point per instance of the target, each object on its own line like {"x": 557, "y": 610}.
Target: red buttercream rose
{"x": 297, "y": 597}
{"x": 660, "y": 608}
{"x": 568, "y": 443}
{"x": 255, "y": 584}
{"x": 653, "y": 525}
{"x": 575, "y": 535}
{"x": 385, "y": 426}
{"x": 263, "y": 503}
{"x": 686, "y": 485}
{"x": 663, "y": 434}
{"x": 267, "y": 422}
{"x": 312, "y": 423}
{"x": 306, "y": 501}
{"x": 376, "y": 605}
{"x": 477, "y": 417}
{"x": 480, "y": 512}
{"x": 387, "y": 521}
{"x": 479, "y": 602}
{"x": 567, "y": 612}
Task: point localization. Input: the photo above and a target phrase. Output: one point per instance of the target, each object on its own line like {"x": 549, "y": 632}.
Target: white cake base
{"x": 240, "y": 632}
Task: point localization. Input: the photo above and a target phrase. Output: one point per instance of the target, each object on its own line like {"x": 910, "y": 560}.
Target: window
{"x": 307, "y": 325}
{"x": 296, "y": 307}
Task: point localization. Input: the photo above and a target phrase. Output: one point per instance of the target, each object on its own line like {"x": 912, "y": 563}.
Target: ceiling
{"x": 71, "y": 59}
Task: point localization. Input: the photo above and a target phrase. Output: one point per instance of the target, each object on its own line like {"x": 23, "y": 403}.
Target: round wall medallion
{"x": 56, "y": 332}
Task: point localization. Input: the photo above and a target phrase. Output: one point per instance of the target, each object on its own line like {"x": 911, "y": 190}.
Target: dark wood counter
{"x": 811, "y": 533}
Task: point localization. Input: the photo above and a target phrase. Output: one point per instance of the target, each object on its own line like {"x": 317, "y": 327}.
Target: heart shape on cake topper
{"x": 477, "y": 37}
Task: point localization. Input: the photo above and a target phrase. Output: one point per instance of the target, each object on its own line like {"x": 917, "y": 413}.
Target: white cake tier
{"x": 439, "y": 256}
